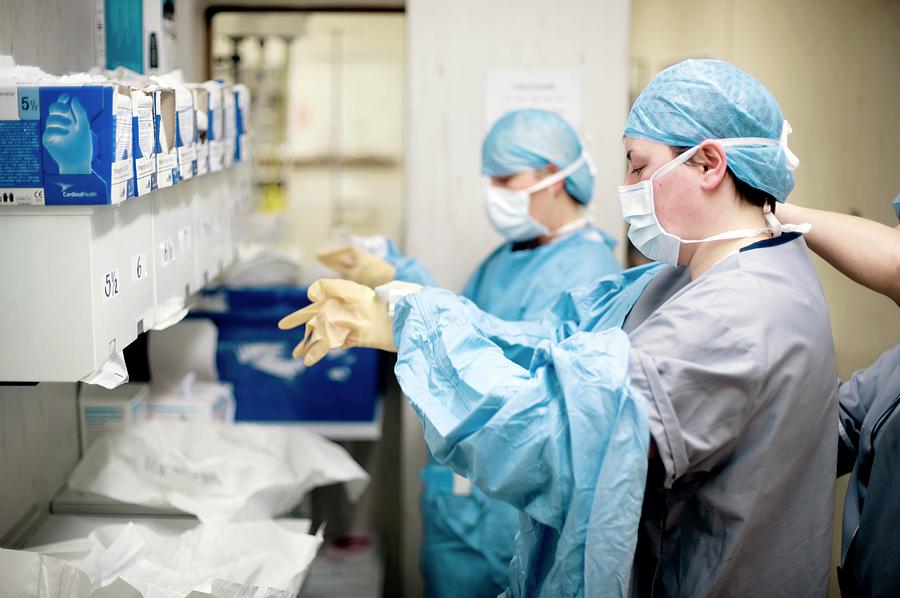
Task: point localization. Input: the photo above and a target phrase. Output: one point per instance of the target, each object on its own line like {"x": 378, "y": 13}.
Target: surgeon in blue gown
{"x": 685, "y": 433}
{"x": 538, "y": 182}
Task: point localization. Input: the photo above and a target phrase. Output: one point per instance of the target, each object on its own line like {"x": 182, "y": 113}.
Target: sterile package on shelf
{"x": 186, "y": 131}
{"x": 201, "y": 121}
{"x": 242, "y": 210}
{"x": 174, "y": 253}
{"x": 143, "y": 127}
{"x": 265, "y": 559}
{"x": 101, "y": 410}
{"x": 65, "y": 144}
{"x": 33, "y": 575}
{"x": 211, "y": 205}
{"x": 193, "y": 400}
{"x": 229, "y": 116}
{"x": 238, "y": 472}
{"x": 242, "y": 117}
{"x": 166, "y": 153}
{"x": 216, "y": 125}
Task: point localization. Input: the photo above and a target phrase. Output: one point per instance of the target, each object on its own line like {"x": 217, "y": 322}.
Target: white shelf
{"x": 62, "y": 528}
{"x": 80, "y": 283}
{"x": 73, "y": 502}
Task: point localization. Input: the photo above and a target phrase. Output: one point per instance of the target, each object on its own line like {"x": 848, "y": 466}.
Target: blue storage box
{"x": 269, "y": 385}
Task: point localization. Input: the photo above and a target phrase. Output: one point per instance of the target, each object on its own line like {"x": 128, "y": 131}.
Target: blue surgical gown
{"x": 521, "y": 284}
{"x": 511, "y": 410}
{"x": 466, "y": 531}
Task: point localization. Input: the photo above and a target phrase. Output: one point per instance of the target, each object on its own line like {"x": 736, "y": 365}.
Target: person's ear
{"x": 557, "y": 187}
{"x": 711, "y": 157}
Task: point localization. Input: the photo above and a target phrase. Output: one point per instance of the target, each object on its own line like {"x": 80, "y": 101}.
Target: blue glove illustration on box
{"x": 67, "y": 135}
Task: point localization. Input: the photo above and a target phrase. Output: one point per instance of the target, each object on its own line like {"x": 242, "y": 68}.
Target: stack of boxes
{"x": 101, "y": 142}
{"x": 102, "y": 410}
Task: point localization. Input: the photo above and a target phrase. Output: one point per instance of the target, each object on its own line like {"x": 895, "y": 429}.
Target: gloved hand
{"x": 343, "y": 314}
{"x": 358, "y": 265}
{"x": 67, "y": 135}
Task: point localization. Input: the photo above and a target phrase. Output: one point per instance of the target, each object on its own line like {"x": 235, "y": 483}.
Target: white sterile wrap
{"x": 216, "y": 560}
{"x": 215, "y": 471}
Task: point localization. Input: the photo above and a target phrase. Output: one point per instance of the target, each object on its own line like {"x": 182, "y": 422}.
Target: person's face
{"x": 542, "y": 204}
{"x": 677, "y": 198}
{"x": 517, "y": 181}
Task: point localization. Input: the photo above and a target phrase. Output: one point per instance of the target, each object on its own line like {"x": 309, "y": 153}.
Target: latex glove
{"x": 343, "y": 314}
{"x": 358, "y": 265}
{"x": 67, "y": 135}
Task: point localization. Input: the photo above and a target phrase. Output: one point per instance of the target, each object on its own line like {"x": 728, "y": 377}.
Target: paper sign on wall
{"x": 559, "y": 91}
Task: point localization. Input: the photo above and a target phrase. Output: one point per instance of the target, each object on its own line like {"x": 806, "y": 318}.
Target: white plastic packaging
{"x": 216, "y": 472}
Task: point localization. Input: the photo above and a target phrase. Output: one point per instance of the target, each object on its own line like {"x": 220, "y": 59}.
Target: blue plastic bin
{"x": 269, "y": 385}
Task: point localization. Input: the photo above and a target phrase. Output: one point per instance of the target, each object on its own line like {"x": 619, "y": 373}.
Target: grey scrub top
{"x": 737, "y": 373}
{"x": 661, "y": 288}
{"x": 870, "y": 444}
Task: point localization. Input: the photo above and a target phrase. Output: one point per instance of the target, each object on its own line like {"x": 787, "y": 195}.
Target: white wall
{"x": 451, "y": 48}
{"x": 38, "y": 447}
{"x": 57, "y": 35}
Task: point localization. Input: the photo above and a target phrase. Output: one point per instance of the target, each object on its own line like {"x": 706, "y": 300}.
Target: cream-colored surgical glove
{"x": 343, "y": 314}
{"x": 358, "y": 265}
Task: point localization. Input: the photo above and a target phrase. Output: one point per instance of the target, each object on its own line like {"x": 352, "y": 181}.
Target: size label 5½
{"x": 110, "y": 285}
{"x": 139, "y": 269}
{"x": 167, "y": 252}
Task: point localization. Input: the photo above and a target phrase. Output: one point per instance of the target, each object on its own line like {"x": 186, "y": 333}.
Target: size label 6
{"x": 139, "y": 269}
{"x": 110, "y": 285}
{"x": 206, "y": 228}
{"x": 184, "y": 238}
{"x": 167, "y": 252}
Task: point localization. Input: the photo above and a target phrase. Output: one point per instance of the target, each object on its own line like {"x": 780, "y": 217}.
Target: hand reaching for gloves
{"x": 358, "y": 265}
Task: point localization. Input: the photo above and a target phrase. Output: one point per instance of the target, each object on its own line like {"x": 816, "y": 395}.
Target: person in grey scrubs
{"x": 870, "y": 452}
{"x": 736, "y": 368}
{"x": 732, "y": 375}
{"x": 869, "y": 425}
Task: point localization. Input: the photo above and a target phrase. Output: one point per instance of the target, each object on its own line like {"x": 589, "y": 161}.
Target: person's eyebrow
{"x": 628, "y": 155}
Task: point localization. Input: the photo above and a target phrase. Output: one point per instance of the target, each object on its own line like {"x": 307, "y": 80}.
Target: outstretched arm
{"x": 863, "y": 250}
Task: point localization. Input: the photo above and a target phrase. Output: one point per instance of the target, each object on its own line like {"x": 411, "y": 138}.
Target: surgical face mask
{"x": 508, "y": 210}
{"x": 648, "y": 235}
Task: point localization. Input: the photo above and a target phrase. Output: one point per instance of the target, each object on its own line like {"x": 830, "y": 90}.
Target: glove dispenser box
{"x": 242, "y": 205}
{"x": 65, "y": 144}
{"x": 174, "y": 253}
{"x": 210, "y": 198}
{"x": 77, "y": 288}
